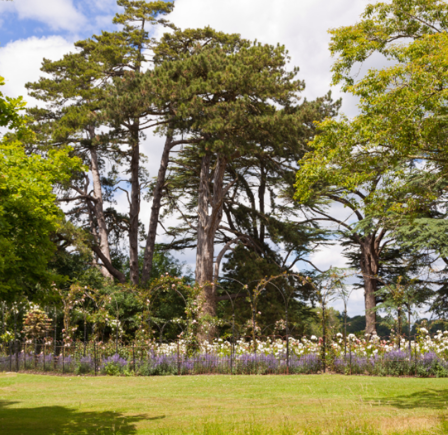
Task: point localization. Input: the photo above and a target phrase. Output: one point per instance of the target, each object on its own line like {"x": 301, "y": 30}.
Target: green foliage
{"x": 9, "y": 111}
{"x": 388, "y": 164}
{"x": 383, "y": 24}
{"x": 29, "y": 214}
{"x": 333, "y": 322}
{"x": 400, "y": 132}
{"x": 224, "y": 87}
{"x": 242, "y": 273}
{"x": 86, "y": 296}
{"x": 357, "y": 325}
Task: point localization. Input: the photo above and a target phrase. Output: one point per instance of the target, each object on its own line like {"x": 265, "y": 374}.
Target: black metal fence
{"x": 98, "y": 358}
{"x": 281, "y": 356}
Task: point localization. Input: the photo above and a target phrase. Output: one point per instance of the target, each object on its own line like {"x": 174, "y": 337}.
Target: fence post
{"x": 324, "y": 341}
{"x": 94, "y": 356}
{"x": 345, "y": 333}
{"x": 55, "y": 361}
{"x": 415, "y": 354}
{"x": 3, "y": 316}
{"x": 85, "y": 334}
{"x": 35, "y": 354}
{"x": 287, "y": 343}
{"x": 63, "y": 357}
{"x": 133, "y": 354}
{"x": 232, "y": 351}
{"x": 178, "y": 361}
{"x": 45, "y": 346}
{"x": 287, "y": 354}
{"x": 54, "y": 338}
{"x": 350, "y": 349}
{"x": 116, "y": 336}
{"x": 10, "y": 356}
{"x": 231, "y": 360}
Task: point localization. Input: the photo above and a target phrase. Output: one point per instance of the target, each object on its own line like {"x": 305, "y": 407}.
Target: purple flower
{"x": 116, "y": 360}
{"x": 429, "y": 358}
{"x": 396, "y": 355}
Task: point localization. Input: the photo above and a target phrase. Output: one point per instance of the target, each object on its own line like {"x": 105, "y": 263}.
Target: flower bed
{"x": 422, "y": 356}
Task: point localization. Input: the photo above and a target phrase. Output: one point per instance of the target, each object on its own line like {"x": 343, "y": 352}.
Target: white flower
{"x": 313, "y": 337}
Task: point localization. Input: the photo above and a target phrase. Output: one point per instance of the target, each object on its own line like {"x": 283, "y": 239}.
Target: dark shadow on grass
{"x": 428, "y": 398}
{"x": 58, "y": 420}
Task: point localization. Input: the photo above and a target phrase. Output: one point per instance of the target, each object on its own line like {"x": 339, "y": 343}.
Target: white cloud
{"x": 20, "y": 61}
{"x": 329, "y": 256}
{"x": 355, "y": 305}
{"x": 57, "y": 14}
{"x": 300, "y": 25}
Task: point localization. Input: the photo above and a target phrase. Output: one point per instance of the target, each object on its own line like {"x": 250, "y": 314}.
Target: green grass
{"x": 320, "y": 404}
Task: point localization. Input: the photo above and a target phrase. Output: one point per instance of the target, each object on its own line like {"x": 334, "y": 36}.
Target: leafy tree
{"x": 392, "y": 156}
{"x": 228, "y": 89}
{"x": 72, "y": 99}
{"x": 259, "y": 210}
{"x": 93, "y": 102}
{"x": 402, "y": 125}
{"x": 124, "y": 55}
{"x": 29, "y": 215}
{"x": 10, "y": 108}
{"x": 364, "y": 234}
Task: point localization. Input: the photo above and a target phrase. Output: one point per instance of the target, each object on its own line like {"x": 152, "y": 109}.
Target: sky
{"x": 31, "y": 30}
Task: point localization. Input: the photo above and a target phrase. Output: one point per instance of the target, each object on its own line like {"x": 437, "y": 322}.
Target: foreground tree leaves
{"x": 29, "y": 214}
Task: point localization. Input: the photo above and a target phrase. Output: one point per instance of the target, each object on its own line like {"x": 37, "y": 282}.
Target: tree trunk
{"x": 369, "y": 268}
{"x": 99, "y": 212}
{"x": 210, "y": 206}
{"x": 261, "y": 194}
{"x": 91, "y": 209}
{"x": 204, "y": 271}
{"x": 116, "y": 273}
{"x": 204, "y": 251}
{"x": 155, "y": 211}
{"x": 134, "y": 208}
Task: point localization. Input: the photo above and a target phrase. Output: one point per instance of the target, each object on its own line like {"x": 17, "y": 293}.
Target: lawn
{"x": 315, "y": 404}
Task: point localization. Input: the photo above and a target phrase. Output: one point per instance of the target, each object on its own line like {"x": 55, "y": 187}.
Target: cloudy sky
{"x": 33, "y": 29}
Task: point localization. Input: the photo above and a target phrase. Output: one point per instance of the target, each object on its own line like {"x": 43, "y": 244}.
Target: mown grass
{"x": 215, "y": 405}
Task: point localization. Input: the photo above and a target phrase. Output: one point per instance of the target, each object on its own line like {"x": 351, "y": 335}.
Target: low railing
{"x": 274, "y": 356}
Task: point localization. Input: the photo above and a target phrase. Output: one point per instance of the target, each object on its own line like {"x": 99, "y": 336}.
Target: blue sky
{"x": 21, "y": 19}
